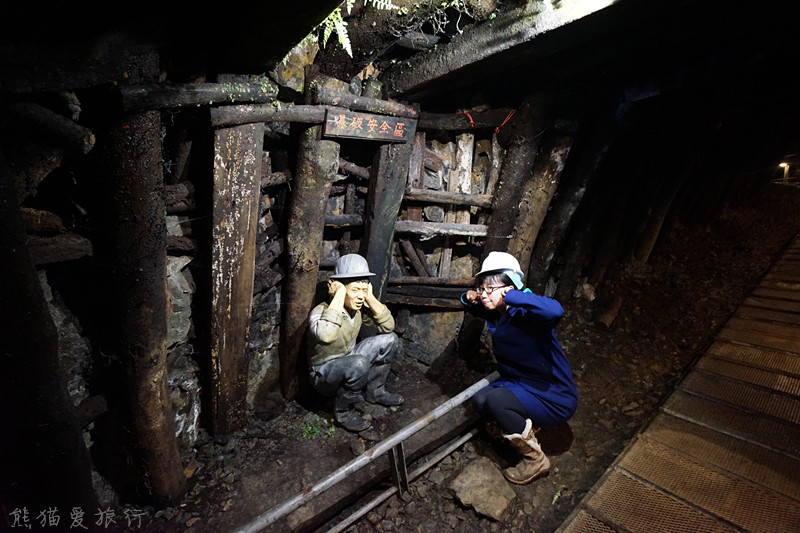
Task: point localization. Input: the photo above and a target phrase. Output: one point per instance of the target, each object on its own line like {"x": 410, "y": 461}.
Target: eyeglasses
{"x": 488, "y": 290}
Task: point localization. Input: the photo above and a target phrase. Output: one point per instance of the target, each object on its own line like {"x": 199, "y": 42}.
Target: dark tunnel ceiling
{"x": 723, "y": 56}
{"x": 730, "y": 60}
{"x": 711, "y": 61}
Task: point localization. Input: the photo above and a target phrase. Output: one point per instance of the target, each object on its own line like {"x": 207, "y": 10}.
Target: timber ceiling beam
{"x": 483, "y": 43}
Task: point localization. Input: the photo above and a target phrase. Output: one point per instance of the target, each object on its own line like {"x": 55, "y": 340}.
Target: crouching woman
{"x": 535, "y": 388}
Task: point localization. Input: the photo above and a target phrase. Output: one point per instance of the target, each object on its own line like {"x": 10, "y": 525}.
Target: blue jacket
{"x": 529, "y": 357}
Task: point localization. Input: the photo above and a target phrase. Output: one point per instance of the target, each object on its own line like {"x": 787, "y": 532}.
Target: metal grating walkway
{"x": 723, "y": 453}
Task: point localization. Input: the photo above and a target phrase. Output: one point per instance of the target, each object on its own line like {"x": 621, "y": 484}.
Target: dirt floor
{"x": 674, "y": 307}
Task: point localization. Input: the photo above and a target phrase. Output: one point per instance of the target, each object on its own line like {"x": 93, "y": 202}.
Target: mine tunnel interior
{"x": 144, "y": 152}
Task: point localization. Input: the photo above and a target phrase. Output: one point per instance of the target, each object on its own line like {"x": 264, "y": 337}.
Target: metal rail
{"x": 389, "y": 443}
{"x": 429, "y": 463}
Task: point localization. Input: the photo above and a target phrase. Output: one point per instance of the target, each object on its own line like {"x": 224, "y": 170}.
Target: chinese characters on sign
{"x": 50, "y": 517}
{"x": 344, "y": 123}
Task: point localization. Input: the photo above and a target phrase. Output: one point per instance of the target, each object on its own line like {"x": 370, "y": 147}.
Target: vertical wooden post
{"x": 498, "y": 158}
{"x": 345, "y": 244}
{"x": 387, "y": 184}
{"x": 465, "y": 147}
{"x": 536, "y": 197}
{"x": 317, "y": 163}
{"x": 44, "y": 459}
{"x": 652, "y": 229}
{"x": 237, "y": 180}
{"x": 416, "y": 168}
{"x": 505, "y": 207}
{"x": 139, "y": 285}
{"x": 460, "y": 181}
{"x": 505, "y": 204}
{"x": 594, "y": 142}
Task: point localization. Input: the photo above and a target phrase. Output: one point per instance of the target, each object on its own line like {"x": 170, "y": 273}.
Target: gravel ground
{"x": 674, "y": 307}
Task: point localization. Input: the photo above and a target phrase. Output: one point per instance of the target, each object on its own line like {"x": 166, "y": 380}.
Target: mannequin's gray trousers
{"x": 365, "y": 368}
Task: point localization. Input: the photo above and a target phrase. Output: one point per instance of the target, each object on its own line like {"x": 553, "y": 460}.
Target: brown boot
{"x": 534, "y": 462}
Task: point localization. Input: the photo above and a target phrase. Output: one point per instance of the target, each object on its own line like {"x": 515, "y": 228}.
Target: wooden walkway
{"x": 723, "y": 453}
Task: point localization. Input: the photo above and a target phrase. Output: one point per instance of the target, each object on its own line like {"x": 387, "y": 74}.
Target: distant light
{"x": 783, "y": 165}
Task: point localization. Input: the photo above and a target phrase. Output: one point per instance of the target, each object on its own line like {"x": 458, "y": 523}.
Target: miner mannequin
{"x": 339, "y": 365}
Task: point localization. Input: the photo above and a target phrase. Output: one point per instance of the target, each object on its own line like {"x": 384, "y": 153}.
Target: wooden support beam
{"x": 385, "y": 194}
{"x": 343, "y": 221}
{"x": 484, "y": 201}
{"x": 140, "y": 295}
{"x": 237, "y": 182}
{"x": 537, "y": 195}
{"x": 498, "y": 158}
{"x": 32, "y": 163}
{"x": 178, "y": 193}
{"x": 513, "y": 27}
{"x": 462, "y": 181}
{"x": 275, "y": 178}
{"x": 178, "y": 149}
{"x": 416, "y": 169}
{"x": 354, "y": 169}
{"x": 327, "y": 96}
{"x": 58, "y": 248}
{"x": 266, "y": 279}
{"x": 317, "y": 162}
{"x": 464, "y": 120}
{"x": 459, "y": 181}
{"x": 440, "y": 228}
{"x": 519, "y": 163}
{"x": 42, "y": 222}
{"x": 167, "y": 95}
{"x": 421, "y": 301}
{"x": 427, "y": 291}
{"x": 417, "y": 280}
{"x": 432, "y": 161}
{"x": 45, "y": 125}
{"x": 232, "y": 115}
{"x": 271, "y": 253}
{"x": 607, "y": 314}
{"x": 415, "y": 260}
{"x": 345, "y": 243}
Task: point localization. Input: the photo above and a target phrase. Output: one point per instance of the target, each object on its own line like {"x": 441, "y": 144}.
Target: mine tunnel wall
{"x": 625, "y": 181}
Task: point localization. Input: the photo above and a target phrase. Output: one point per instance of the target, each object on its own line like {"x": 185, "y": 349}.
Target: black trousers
{"x": 499, "y": 405}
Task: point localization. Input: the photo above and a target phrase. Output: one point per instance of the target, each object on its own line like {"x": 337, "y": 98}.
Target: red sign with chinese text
{"x": 344, "y": 123}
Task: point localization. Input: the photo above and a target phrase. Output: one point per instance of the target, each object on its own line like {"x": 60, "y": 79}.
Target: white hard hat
{"x": 502, "y": 262}
{"x": 351, "y": 266}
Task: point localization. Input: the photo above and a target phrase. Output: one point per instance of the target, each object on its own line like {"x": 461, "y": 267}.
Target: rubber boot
{"x": 344, "y": 411}
{"x": 376, "y": 392}
{"x": 534, "y": 462}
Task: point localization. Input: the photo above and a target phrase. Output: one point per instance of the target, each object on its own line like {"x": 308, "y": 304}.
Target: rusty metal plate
{"x": 776, "y": 381}
{"x": 756, "y": 338}
{"x": 787, "y": 363}
{"x": 785, "y": 276}
{"x": 583, "y": 522}
{"x": 776, "y": 293}
{"x": 767, "y": 328}
{"x": 733, "y": 499}
{"x": 744, "y": 396}
{"x": 770, "y": 303}
{"x": 750, "y": 461}
{"x": 759, "y": 313}
{"x": 640, "y": 508}
{"x": 779, "y": 284}
{"x": 752, "y": 427}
